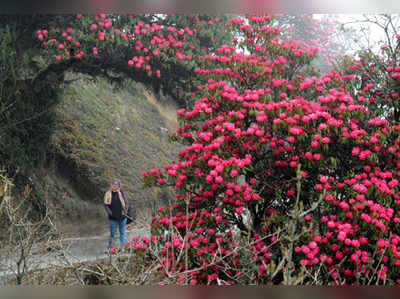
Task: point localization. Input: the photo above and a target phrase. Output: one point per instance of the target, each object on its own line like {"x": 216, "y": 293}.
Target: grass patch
{"x": 104, "y": 133}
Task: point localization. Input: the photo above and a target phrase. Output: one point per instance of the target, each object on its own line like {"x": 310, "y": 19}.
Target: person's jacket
{"x": 122, "y": 198}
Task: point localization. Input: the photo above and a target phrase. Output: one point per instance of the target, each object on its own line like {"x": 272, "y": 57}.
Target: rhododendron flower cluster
{"x": 139, "y": 47}
{"x": 322, "y": 33}
{"x": 147, "y": 39}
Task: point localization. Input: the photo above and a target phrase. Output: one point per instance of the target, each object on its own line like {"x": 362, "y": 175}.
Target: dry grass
{"x": 167, "y": 110}
{"x": 118, "y": 269}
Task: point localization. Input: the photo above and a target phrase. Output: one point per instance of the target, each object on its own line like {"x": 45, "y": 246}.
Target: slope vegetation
{"x": 105, "y": 133}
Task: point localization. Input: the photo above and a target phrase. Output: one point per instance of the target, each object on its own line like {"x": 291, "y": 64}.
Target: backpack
{"x": 130, "y": 215}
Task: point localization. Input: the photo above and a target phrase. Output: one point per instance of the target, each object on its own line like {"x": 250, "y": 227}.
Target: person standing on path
{"x": 116, "y": 206}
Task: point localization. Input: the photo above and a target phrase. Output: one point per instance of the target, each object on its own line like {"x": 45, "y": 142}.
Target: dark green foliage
{"x": 26, "y": 104}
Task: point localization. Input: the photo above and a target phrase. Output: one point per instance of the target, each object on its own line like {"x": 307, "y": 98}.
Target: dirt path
{"x": 74, "y": 250}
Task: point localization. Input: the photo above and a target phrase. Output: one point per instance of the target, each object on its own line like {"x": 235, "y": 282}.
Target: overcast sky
{"x": 374, "y": 34}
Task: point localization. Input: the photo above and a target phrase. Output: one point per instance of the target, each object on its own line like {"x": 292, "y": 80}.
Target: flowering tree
{"x": 140, "y": 47}
{"x": 285, "y": 178}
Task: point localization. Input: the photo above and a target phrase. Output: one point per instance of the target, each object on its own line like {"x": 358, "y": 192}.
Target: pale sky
{"x": 375, "y": 33}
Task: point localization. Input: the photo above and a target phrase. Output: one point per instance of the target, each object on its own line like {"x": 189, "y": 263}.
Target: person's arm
{"x": 107, "y": 206}
{"x": 108, "y": 210}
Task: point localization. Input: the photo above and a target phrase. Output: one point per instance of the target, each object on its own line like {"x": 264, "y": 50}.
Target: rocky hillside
{"x": 105, "y": 133}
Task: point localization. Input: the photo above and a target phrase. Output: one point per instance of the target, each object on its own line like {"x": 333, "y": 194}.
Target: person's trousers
{"x": 114, "y": 225}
